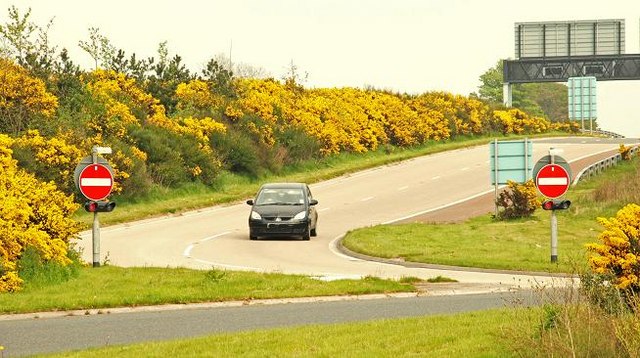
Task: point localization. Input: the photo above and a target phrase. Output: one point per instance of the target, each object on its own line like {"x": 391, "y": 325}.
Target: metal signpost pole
{"x": 554, "y": 237}
{"x": 95, "y": 230}
{"x": 495, "y": 167}
{"x": 554, "y": 223}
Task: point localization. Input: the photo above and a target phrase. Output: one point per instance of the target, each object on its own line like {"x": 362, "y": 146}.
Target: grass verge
{"x": 230, "y": 187}
{"x": 521, "y": 244}
{"x": 110, "y": 286}
{"x": 475, "y": 334}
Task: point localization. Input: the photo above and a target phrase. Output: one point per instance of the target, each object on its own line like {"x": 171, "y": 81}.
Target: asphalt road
{"x": 65, "y": 333}
{"x": 218, "y": 236}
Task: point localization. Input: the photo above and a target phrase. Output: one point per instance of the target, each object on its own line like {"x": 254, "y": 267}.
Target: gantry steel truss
{"x": 559, "y": 69}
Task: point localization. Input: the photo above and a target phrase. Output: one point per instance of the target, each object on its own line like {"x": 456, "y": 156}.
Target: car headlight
{"x": 300, "y": 216}
{"x": 255, "y": 215}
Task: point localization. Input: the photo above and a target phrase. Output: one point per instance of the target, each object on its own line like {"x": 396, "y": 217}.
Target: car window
{"x": 280, "y": 196}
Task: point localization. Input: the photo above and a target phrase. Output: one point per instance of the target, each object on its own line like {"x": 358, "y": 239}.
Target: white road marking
{"x": 435, "y": 177}
{"x": 187, "y": 250}
{"x": 367, "y": 198}
{"x": 440, "y": 207}
{"x": 333, "y": 247}
{"x": 214, "y": 236}
{"x": 403, "y": 188}
{"x": 465, "y": 168}
{"x": 323, "y": 209}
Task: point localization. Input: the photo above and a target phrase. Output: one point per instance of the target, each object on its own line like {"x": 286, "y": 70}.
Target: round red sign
{"x": 95, "y": 182}
{"x": 552, "y": 181}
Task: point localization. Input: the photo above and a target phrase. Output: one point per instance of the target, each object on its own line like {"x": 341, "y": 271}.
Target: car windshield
{"x": 280, "y": 196}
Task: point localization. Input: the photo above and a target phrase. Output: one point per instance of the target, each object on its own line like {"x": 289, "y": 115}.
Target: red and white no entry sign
{"x": 552, "y": 181}
{"x": 95, "y": 182}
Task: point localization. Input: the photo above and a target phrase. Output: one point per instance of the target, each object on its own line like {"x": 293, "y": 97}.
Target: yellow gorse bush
{"x": 121, "y": 98}
{"x": 351, "y": 119}
{"x": 197, "y": 94}
{"x": 33, "y": 214}
{"x": 57, "y": 155}
{"x": 22, "y": 97}
{"x": 625, "y": 151}
{"x": 618, "y": 254}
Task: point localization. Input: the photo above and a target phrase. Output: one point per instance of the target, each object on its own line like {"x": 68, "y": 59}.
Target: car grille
{"x": 275, "y": 218}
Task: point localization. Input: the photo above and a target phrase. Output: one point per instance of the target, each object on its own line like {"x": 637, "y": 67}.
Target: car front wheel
{"x": 307, "y": 235}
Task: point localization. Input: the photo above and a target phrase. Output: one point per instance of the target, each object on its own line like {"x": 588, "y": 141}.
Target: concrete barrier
{"x": 599, "y": 167}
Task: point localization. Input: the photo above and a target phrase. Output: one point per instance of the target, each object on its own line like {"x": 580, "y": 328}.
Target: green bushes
{"x": 37, "y": 272}
{"x": 174, "y": 159}
{"x": 518, "y": 200}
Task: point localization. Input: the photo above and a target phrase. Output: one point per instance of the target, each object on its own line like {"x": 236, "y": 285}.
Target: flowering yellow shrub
{"x": 518, "y": 122}
{"x": 33, "y": 214}
{"x": 196, "y": 94}
{"x": 570, "y": 127}
{"x": 124, "y": 103}
{"x": 201, "y": 128}
{"x": 58, "y": 158}
{"x": 618, "y": 254}
{"x": 22, "y": 97}
{"x": 625, "y": 151}
{"x": 360, "y": 120}
{"x": 518, "y": 200}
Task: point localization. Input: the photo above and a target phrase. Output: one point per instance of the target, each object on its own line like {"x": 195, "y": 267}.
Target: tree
{"x": 18, "y": 33}
{"x": 292, "y": 77}
{"x": 28, "y": 43}
{"x": 491, "y": 88}
{"x": 540, "y": 99}
{"x": 240, "y": 69}
{"x": 168, "y": 73}
{"x": 219, "y": 78}
{"x": 99, "y": 48}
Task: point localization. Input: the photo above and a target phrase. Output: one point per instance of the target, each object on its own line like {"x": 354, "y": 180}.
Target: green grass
{"x": 522, "y": 244}
{"x": 475, "y": 334}
{"x": 231, "y": 187}
{"x": 110, "y": 286}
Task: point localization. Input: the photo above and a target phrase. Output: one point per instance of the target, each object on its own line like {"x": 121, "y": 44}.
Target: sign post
{"x": 510, "y": 160}
{"x": 582, "y": 100}
{"x": 95, "y": 181}
{"x": 552, "y": 181}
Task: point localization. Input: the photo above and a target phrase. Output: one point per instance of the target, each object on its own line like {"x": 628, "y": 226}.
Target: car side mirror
{"x": 313, "y": 202}
{"x": 250, "y": 201}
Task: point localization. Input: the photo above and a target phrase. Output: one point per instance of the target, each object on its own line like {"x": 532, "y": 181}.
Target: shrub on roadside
{"x": 239, "y": 153}
{"x": 618, "y": 253}
{"x": 518, "y": 200}
{"x": 625, "y": 152}
{"x": 38, "y": 272}
{"x": 33, "y": 214}
{"x": 174, "y": 159}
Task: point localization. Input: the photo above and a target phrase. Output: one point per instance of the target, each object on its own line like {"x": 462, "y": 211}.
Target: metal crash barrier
{"x": 600, "y": 166}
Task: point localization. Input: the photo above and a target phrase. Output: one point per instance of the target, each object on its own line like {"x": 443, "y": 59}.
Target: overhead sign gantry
{"x": 556, "y": 51}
